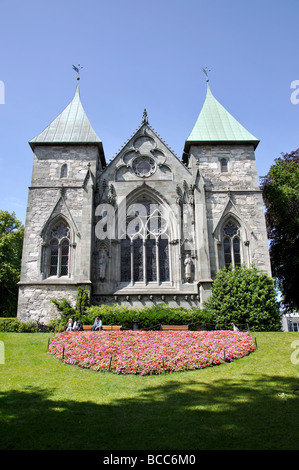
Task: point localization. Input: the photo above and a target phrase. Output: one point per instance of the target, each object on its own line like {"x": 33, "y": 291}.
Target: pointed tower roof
{"x": 70, "y": 127}
{"x": 215, "y": 124}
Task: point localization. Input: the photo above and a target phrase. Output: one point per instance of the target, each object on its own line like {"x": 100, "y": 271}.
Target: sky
{"x": 137, "y": 55}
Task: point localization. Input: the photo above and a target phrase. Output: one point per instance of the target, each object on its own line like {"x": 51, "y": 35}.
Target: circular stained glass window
{"x": 144, "y": 166}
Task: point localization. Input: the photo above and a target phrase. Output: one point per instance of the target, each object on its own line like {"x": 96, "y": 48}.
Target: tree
{"x": 243, "y": 296}
{"x": 11, "y": 244}
{"x": 82, "y": 301}
{"x": 66, "y": 309}
{"x": 281, "y": 197}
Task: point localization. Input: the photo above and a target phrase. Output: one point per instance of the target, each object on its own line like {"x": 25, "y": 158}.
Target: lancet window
{"x": 145, "y": 249}
{"x": 231, "y": 244}
{"x": 56, "y": 255}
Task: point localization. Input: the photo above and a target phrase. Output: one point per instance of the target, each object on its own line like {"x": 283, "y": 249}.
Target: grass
{"x": 45, "y": 404}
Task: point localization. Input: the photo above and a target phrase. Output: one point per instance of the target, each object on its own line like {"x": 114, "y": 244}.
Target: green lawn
{"x": 45, "y": 404}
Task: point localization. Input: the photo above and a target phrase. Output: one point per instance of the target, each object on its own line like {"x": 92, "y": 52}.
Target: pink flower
{"x": 150, "y": 352}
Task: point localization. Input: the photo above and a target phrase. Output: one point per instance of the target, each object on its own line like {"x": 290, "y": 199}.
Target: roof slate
{"x": 216, "y": 124}
{"x": 71, "y": 126}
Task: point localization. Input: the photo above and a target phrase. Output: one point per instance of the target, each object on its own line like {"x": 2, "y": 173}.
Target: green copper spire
{"x": 70, "y": 127}
{"x": 215, "y": 124}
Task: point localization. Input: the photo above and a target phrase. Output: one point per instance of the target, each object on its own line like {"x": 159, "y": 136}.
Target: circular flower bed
{"x": 150, "y": 352}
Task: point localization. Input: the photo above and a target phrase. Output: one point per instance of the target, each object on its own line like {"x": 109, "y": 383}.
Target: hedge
{"x": 147, "y": 317}
{"x": 13, "y": 325}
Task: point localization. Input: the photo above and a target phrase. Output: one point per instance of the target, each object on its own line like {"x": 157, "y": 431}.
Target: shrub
{"x": 147, "y": 317}
{"x": 244, "y": 296}
{"x": 28, "y": 327}
{"x": 13, "y": 325}
{"x": 65, "y": 308}
{"x": 67, "y": 311}
{"x": 10, "y": 325}
{"x": 82, "y": 301}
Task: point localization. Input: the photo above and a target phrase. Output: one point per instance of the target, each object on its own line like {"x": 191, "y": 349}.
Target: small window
{"x": 63, "y": 171}
{"x": 223, "y": 165}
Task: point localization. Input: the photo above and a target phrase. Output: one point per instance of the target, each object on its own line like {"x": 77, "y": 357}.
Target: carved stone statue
{"x": 188, "y": 267}
{"x": 103, "y": 263}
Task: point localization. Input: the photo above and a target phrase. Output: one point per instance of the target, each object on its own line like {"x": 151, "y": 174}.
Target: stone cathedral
{"x": 147, "y": 228}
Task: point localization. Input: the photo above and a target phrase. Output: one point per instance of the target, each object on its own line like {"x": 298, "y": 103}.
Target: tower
{"x": 223, "y": 151}
{"x": 58, "y": 231}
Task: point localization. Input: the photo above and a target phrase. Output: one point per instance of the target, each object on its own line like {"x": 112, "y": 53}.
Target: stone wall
{"x": 51, "y": 196}
{"x": 235, "y": 194}
{"x": 35, "y": 301}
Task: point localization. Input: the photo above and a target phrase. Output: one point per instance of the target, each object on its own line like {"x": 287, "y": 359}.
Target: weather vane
{"x": 77, "y": 69}
{"x": 206, "y": 72}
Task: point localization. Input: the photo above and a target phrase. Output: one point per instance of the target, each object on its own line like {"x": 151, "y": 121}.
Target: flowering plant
{"x": 150, "y": 352}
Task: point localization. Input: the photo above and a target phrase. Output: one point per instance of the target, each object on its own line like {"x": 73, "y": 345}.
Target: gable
{"x": 145, "y": 157}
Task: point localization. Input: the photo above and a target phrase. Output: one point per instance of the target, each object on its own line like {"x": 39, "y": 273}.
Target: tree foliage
{"x": 281, "y": 197}
{"x": 11, "y": 244}
{"x": 67, "y": 311}
{"x": 243, "y": 296}
{"x": 82, "y": 301}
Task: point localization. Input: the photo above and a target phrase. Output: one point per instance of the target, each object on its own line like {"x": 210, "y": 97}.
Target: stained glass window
{"x": 148, "y": 252}
{"x": 231, "y": 245}
{"x": 227, "y": 252}
{"x": 151, "y": 265}
{"x": 64, "y": 269}
{"x": 59, "y": 250}
{"x": 125, "y": 247}
{"x": 138, "y": 259}
{"x": 54, "y": 258}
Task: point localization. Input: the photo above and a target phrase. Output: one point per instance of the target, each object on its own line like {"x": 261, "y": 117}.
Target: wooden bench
{"x": 174, "y": 327}
{"x": 104, "y": 327}
{"x": 87, "y": 327}
{"x": 111, "y": 327}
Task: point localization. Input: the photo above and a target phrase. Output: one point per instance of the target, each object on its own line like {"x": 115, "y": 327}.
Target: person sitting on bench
{"x": 97, "y": 326}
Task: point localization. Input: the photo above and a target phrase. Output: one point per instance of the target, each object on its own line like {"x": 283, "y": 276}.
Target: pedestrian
{"x": 97, "y": 326}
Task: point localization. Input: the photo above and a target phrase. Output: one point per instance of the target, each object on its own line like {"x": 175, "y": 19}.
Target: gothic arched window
{"x": 58, "y": 259}
{"x": 145, "y": 251}
{"x": 231, "y": 245}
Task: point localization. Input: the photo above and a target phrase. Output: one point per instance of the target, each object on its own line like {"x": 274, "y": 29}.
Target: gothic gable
{"x": 146, "y": 157}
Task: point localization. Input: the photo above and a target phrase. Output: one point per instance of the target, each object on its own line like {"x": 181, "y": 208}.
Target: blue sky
{"x": 138, "y": 55}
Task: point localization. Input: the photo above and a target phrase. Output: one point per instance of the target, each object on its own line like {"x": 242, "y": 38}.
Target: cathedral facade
{"x": 149, "y": 227}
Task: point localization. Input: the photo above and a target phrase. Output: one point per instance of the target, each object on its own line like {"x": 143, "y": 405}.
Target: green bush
{"x": 67, "y": 311}
{"x": 57, "y": 325}
{"x": 65, "y": 308}
{"x": 243, "y": 296}
{"x": 10, "y": 325}
{"x": 82, "y": 301}
{"x": 13, "y": 325}
{"x": 147, "y": 317}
